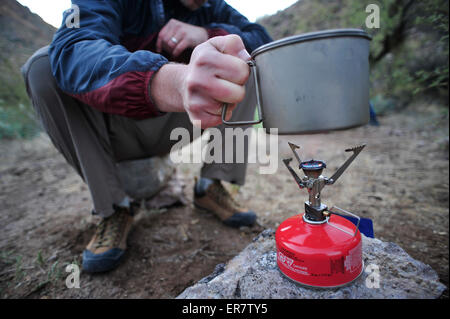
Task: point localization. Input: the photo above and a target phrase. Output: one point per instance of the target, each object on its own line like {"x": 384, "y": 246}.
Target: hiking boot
{"x": 106, "y": 248}
{"x": 212, "y": 197}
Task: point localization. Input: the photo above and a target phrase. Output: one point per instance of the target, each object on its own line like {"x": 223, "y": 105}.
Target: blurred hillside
{"x": 21, "y": 33}
{"x": 409, "y": 52}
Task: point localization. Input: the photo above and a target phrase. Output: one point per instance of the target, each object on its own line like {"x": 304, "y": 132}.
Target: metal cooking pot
{"x": 313, "y": 82}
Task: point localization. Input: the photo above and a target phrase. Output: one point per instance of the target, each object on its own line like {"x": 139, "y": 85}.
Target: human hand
{"x": 216, "y": 74}
{"x": 177, "y": 36}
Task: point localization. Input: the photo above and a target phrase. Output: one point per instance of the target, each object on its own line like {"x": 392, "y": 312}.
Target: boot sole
{"x": 225, "y": 222}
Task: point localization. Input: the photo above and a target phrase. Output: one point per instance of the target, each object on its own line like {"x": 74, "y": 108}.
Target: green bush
{"x": 16, "y": 114}
{"x": 17, "y": 122}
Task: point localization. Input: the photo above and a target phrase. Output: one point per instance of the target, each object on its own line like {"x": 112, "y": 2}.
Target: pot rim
{"x": 332, "y": 33}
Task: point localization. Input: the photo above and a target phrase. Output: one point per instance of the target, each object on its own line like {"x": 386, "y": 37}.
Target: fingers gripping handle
{"x": 258, "y": 103}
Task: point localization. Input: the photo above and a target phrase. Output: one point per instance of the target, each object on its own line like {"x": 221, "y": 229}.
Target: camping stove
{"x": 321, "y": 247}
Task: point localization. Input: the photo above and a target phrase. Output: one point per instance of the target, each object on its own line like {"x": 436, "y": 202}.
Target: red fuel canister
{"x": 319, "y": 255}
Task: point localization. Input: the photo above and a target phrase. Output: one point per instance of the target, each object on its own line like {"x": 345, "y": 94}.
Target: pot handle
{"x": 258, "y": 103}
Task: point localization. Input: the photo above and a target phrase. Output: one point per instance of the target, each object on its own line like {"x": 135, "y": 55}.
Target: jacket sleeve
{"x": 226, "y": 18}
{"x": 89, "y": 63}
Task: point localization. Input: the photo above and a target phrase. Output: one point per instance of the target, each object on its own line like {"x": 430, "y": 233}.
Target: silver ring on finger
{"x": 174, "y": 40}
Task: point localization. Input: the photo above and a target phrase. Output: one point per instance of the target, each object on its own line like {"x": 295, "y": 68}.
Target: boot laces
{"x": 224, "y": 197}
{"x": 108, "y": 231}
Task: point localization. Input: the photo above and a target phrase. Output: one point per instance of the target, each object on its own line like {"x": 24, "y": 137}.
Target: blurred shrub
{"x": 383, "y": 105}
{"x": 16, "y": 114}
{"x": 17, "y": 122}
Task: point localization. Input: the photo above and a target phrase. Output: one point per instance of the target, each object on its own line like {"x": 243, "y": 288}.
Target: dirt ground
{"x": 400, "y": 180}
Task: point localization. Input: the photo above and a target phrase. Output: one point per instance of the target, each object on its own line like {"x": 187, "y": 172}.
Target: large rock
{"x": 254, "y": 274}
{"x": 144, "y": 178}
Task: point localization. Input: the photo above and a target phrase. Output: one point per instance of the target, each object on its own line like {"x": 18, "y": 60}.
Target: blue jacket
{"x": 108, "y": 62}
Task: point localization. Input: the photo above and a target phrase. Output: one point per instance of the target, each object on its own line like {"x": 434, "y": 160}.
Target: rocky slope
{"x": 21, "y": 33}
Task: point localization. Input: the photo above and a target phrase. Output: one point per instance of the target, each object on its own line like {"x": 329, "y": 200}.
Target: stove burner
{"x": 313, "y": 168}
{"x": 312, "y": 165}
{"x": 314, "y": 181}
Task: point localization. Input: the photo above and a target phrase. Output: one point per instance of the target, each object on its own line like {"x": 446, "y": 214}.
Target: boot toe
{"x": 108, "y": 260}
{"x": 241, "y": 219}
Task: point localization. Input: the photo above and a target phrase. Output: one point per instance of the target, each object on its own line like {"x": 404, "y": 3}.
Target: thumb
{"x": 230, "y": 44}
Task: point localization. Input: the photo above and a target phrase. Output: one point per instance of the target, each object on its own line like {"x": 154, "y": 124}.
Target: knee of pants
{"x": 39, "y": 80}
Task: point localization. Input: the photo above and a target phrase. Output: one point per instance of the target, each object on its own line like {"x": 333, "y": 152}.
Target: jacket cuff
{"x": 215, "y": 32}
{"x": 148, "y": 96}
{"x": 126, "y": 95}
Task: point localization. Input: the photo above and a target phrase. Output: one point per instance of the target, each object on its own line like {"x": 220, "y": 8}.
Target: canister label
{"x": 291, "y": 265}
{"x": 322, "y": 266}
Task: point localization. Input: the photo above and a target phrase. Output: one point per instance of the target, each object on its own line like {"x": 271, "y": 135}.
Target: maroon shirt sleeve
{"x": 215, "y": 32}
